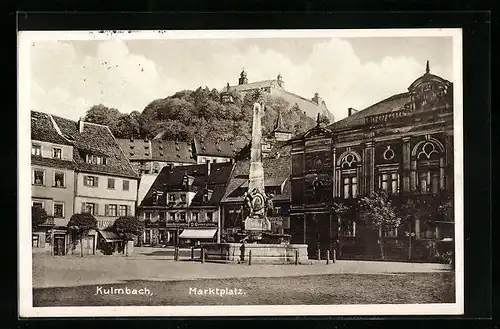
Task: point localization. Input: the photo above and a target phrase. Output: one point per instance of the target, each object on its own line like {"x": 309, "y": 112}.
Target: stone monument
{"x": 256, "y": 200}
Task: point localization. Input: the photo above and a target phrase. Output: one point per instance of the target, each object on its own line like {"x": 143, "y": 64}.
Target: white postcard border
{"x": 25, "y": 300}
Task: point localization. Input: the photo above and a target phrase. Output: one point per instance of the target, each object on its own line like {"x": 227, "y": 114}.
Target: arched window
{"x": 349, "y": 176}
{"x": 429, "y": 162}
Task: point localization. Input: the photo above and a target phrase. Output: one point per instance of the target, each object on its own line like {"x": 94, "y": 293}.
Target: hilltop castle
{"x": 276, "y": 87}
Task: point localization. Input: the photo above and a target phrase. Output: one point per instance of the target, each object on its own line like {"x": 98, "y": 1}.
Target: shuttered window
{"x": 92, "y": 181}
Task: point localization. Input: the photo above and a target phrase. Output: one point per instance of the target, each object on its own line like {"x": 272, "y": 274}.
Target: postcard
{"x": 240, "y": 173}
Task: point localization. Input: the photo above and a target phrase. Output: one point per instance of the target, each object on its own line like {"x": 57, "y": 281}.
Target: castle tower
{"x": 280, "y": 81}
{"x": 243, "y": 78}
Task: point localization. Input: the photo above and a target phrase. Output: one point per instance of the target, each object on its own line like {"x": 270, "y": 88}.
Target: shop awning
{"x": 198, "y": 233}
{"x": 110, "y": 236}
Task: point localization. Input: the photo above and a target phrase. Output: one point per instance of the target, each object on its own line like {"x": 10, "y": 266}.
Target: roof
{"x": 306, "y": 105}
{"x": 276, "y": 173}
{"x": 96, "y": 140}
{"x": 390, "y": 104}
{"x": 279, "y": 126}
{"x": 145, "y": 184}
{"x": 110, "y": 236}
{"x": 252, "y": 86}
{"x": 170, "y": 179}
{"x": 172, "y": 151}
{"x": 210, "y": 147}
{"x": 51, "y": 162}
{"x": 136, "y": 149}
{"x": 43, "y": 129}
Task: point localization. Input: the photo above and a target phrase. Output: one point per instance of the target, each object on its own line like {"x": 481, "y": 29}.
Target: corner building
{"x": 402, "y": 145}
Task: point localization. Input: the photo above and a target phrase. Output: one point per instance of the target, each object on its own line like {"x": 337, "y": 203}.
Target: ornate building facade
{"x": 402, "y": 146}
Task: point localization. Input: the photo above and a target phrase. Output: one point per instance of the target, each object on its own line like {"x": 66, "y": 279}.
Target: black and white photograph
{"x": 240, "y": 172}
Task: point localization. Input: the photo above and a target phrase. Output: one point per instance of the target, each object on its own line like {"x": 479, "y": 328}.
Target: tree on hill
{"x": 200, "y": 113}
{"x": 80, "y": 225}
{"x": 128, "y": 227}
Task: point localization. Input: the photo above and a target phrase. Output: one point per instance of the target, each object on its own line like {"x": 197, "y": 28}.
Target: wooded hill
{"x": 200, "y": 113}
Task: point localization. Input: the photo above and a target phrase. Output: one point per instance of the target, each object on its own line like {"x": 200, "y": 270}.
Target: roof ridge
{"x": 57, "y": 128}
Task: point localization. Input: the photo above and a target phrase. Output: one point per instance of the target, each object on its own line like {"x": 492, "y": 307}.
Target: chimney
{"x": 351, "y": 111}
{"x": 80, "y": 125}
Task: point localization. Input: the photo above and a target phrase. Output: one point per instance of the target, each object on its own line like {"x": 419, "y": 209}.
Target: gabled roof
{"x": 276, "y": 173}
{"x": 43, "y": 129}
{"x": 390, "y": 104}
{"x": 210, "y": 147}
{"x": 170, "y": 179}
{"x": 279, "y": 126}
{"x": 97, "y": 140}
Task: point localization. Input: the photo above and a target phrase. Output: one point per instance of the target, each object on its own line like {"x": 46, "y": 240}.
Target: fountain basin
{"x": 261, "y": 253}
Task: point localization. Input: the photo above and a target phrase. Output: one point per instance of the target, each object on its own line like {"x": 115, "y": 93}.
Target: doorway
{"x": 59, "y": 244}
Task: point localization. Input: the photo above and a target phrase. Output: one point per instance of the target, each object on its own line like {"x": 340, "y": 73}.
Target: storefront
{"x": 194, "y": 236}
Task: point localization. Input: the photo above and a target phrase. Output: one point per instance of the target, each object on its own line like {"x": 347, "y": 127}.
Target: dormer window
{"x": 94, "y": 159}
{"x": 207, "y": 195}
{"x": 157, "y": 195}
{"x": 57, "y": 153}
{"x": 36, "y": 149}
{"x": 183, "y": 198}
{"x": 171, "y": 198}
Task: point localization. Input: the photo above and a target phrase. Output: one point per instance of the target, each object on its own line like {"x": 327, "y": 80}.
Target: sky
{"x": 68, "y": 77}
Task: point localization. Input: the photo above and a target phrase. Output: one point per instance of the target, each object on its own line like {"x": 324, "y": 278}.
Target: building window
{"x": 148, "y": 215}
{"x": 428, "y": 162}
{"x": 389, "y": 182}
{"x": 183, "y": 198}
{"x": 38, "y": 204}
{"x": 349, "y": 174}
{"x": 210, "y": 216}
{"x": 38, "y": 177}
{"x": 349, "y": 228}
{"x": 350, "y": 187}
{"x": 111, "y": 210}
{"x": 171, "y": 197}
{"x": 36, "y": 149}
{"x": 35, "y": 241}
{"x": 123, "y": 210}
{"x": 172, "y": 216}
{"x": 111, "y": 183}
{"x": 57, "y": 153}
{"x": 58, "y": 210}
{"x": 126, "y": 185}
{"x": 89, "y": 208}
{"x": 388, "y": 232}
{"x": 58, "y": 179}
{"x": 161, "y": 216}
{"x": 91, "y": 181}
{"x": 194, "y": 217}
{"x": 182, "y": 216}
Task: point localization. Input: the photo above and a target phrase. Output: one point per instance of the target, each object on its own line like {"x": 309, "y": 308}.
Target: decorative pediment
{"x": 431, "y": 91}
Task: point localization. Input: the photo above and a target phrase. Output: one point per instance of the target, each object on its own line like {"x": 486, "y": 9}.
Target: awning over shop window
{"x": 198, "y": 233}
{"x": 110, "y": 236}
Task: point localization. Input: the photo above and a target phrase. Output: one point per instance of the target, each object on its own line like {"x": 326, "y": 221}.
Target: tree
{"x": 127, "y": 227}
{"x": 80, "y": 225}
{"x": 38, "y": 216}
{"x": 383, "y": 215}
{"x": 324, "y": 120}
